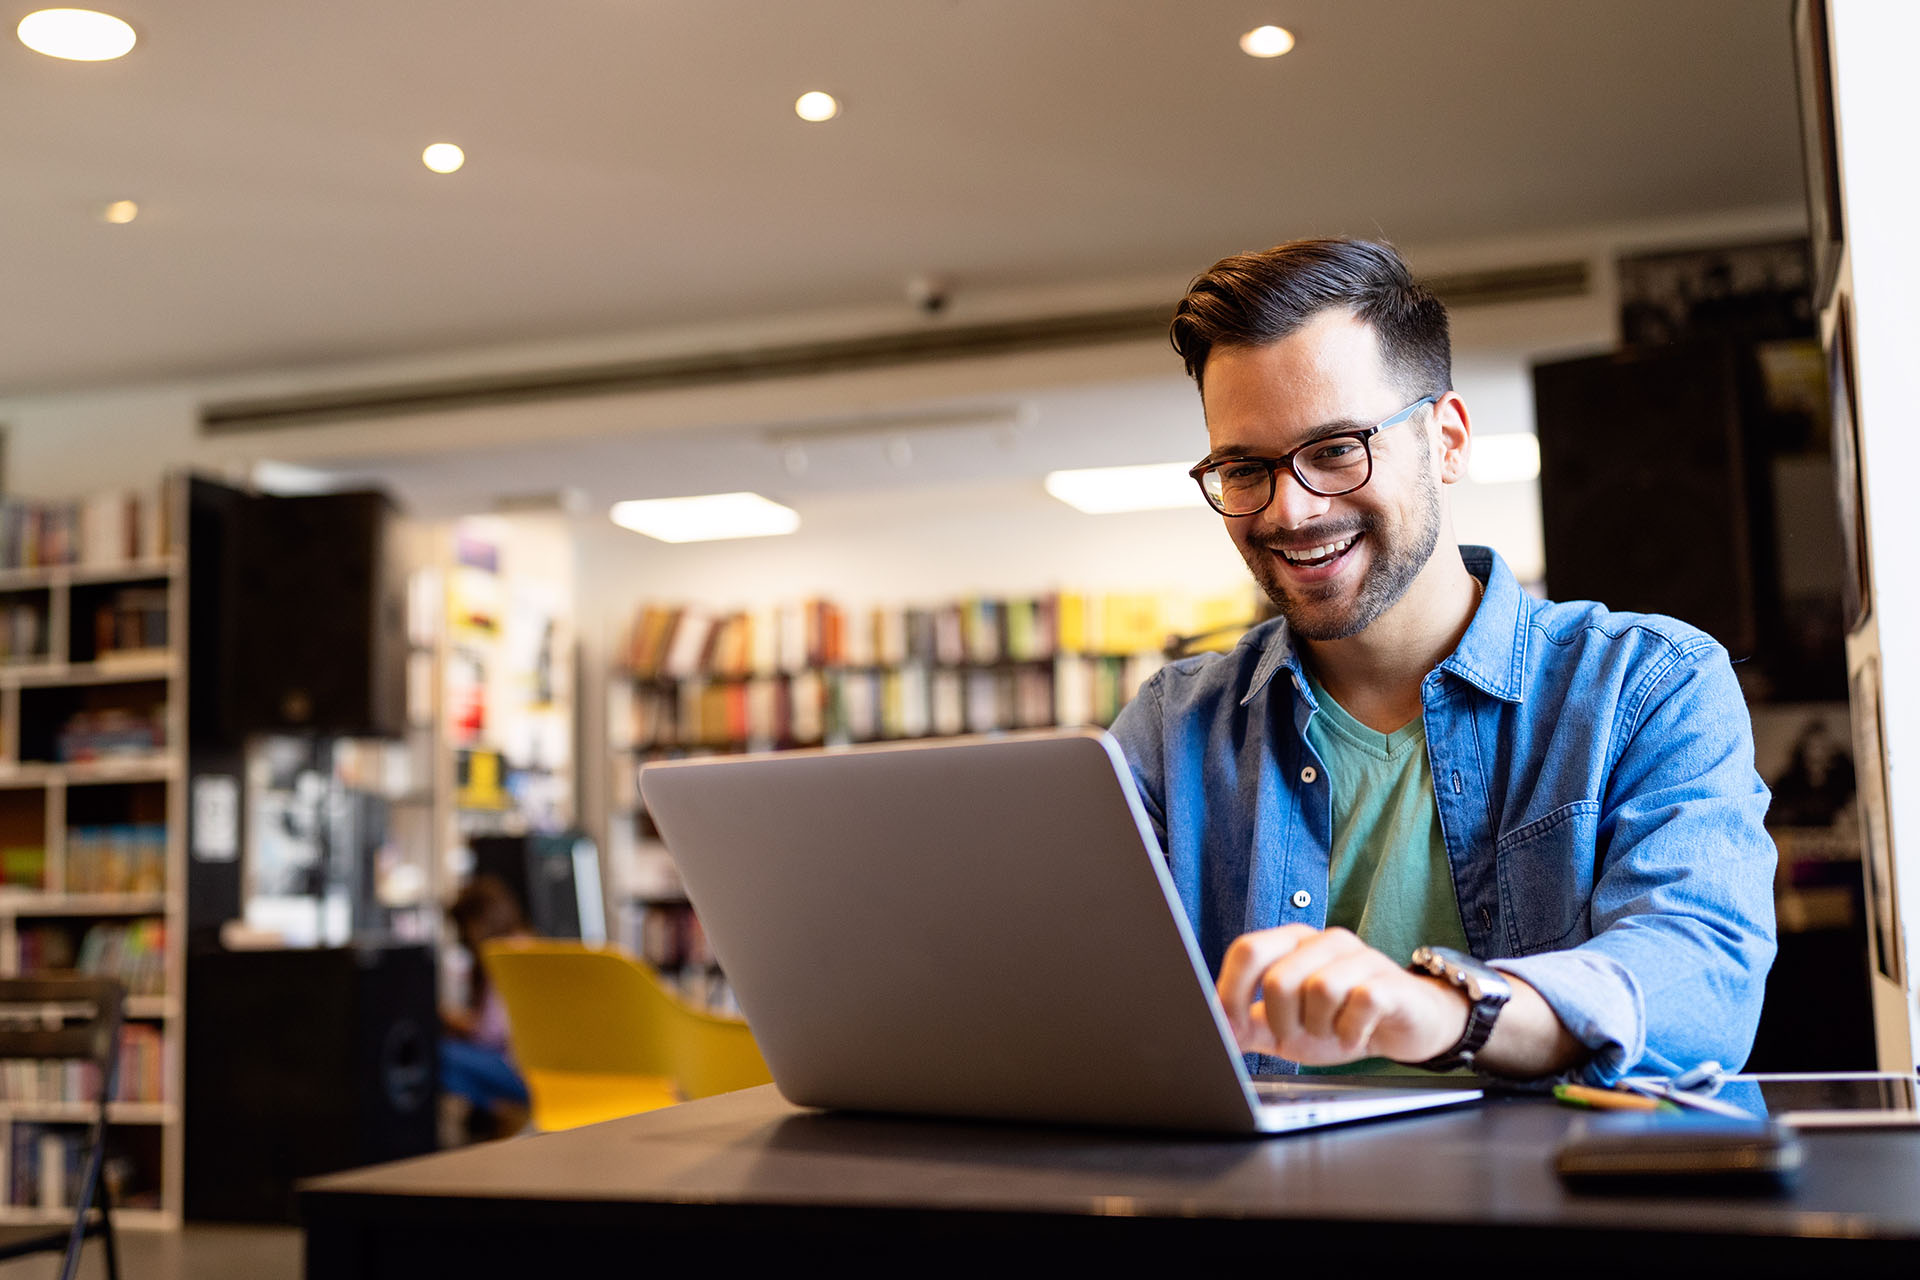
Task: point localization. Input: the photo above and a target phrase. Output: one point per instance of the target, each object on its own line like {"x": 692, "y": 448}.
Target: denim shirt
{"x": 1593, "y": 773}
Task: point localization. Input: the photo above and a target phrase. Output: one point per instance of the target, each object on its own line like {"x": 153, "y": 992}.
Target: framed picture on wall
{"x": 1876, "y": 844}
{"x": 1849, "y": 477}
{"x": 1813, "y": 75}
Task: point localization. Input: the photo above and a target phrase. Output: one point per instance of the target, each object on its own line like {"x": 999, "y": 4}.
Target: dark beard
{"x": 1392, "y": 573}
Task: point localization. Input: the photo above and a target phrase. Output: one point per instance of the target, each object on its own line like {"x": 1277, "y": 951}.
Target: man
{"x": 1552, "y": 807}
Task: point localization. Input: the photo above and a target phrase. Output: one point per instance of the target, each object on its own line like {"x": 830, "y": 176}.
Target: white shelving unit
{"x": 43, "y": 795}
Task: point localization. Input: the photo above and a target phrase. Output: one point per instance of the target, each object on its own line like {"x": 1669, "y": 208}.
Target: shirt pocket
{"x": 1546, "y": 878}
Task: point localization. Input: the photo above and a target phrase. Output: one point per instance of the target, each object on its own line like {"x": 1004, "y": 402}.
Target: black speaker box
{"x": 323, "y": 628}
{"x": 1651, "y": 498}
{"x": 304, "y": 1062}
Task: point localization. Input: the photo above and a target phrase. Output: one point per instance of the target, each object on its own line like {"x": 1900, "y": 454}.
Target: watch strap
{"x": 1447, "y": 965}
{"x": 1480, "y": 1019}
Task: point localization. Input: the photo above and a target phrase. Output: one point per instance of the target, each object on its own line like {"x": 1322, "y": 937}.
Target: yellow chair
{"x": 598, "y": 1035}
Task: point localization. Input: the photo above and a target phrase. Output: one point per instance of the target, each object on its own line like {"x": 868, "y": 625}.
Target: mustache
{"x": 1313, "y": 536}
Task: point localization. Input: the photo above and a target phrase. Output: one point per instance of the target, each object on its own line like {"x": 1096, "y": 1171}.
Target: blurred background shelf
{"x": 92, "y": 830}
{"x": 31, "y": 903}
{"x": 82, "y": 1113}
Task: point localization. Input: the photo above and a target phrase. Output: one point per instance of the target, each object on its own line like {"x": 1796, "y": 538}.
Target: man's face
{"x": 1368, "y": 546}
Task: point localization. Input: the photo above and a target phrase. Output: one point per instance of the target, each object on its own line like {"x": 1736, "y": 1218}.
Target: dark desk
{"x": 746, "y": 1180}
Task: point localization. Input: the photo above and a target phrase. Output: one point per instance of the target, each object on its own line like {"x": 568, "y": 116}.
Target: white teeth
{"x": 1317, "y": 553}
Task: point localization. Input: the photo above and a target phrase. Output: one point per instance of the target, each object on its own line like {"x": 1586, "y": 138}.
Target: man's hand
{"x": 1324, "y": 997}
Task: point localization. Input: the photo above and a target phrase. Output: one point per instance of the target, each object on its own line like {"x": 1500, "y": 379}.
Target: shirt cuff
{"x": 1598, "y": 1002}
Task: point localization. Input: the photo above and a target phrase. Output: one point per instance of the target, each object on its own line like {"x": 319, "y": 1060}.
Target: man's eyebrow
{"x": 1338, "y": 427}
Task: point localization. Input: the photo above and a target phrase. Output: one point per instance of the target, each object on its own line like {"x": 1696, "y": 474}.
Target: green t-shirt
{"x": 1388, "y": 878}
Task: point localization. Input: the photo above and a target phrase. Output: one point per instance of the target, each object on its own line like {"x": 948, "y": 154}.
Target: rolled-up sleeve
{"x": 1682, "y": 908}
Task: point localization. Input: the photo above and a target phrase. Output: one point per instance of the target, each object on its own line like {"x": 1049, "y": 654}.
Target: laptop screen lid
{"x": 971, "y": 927}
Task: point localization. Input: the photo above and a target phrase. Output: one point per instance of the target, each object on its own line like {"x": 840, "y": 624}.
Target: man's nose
{"x": 1293, "y": 503}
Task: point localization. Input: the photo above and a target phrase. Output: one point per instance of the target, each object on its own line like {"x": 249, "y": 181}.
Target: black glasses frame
{"x": 1288, "y": 460}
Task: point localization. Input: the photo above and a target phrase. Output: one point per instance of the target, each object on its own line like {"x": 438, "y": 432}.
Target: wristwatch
{"x": 1487, "y": 991}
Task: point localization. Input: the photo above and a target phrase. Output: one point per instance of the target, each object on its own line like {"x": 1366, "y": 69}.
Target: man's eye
{"x": 1242, "y": 472}
{"x": 1334, "y": 452}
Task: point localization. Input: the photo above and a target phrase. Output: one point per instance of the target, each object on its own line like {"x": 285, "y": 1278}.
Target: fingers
{"x": 1302, "y": 991}
{"x": 1341, "y": 1003}
{"x": 1247, "y": 959}
{"x": 1318, "y": 997}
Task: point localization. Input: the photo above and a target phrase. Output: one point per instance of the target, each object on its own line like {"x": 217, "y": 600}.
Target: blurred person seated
{"x": 476, "y": 1064}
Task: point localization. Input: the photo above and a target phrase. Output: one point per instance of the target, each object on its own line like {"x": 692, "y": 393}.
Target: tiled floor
{"x": 196, "y": 1252}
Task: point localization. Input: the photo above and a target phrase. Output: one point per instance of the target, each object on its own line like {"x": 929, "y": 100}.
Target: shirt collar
{"x": 1491, "y": 656}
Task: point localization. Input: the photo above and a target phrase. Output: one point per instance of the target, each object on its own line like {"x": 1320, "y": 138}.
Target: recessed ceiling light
{"x": 1266, "y": 42}
{"x": 78, "y": 35}
{"x": 443, "y": 157}
{"x": 1509, "y": 458}
{"x": 1103, "y": 491}
{"x": 816, "y": 107}
{"x": 121, "y": 211}
{"x": 707, "y": 518}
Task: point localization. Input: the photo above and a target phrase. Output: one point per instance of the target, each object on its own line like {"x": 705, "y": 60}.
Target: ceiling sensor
{"x": 929, "y": 295}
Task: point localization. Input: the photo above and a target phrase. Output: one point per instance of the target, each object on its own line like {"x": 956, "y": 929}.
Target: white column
{"x": 1878, "y": 132}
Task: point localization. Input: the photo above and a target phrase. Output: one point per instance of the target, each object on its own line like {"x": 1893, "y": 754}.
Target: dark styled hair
{"x": 1252, "y": 299}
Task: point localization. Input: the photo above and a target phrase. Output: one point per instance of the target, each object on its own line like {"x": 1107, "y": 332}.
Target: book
{"x": 949, "y": 636}
{"x": 1070, "y": 622}
{"x": 860, "y": 638}
{"x": 949, "y": 705}
{"x": 52, "y": 1159}
{"x": 984, "y": 627}
{"x": 790, "y": 643}
{"x": 1131, "y": 623}
{"x": 808, "y": 705}
{"x": 1022, "y": 627}
{"x": 688, "y": 646}
{"x": 890, "y": 636}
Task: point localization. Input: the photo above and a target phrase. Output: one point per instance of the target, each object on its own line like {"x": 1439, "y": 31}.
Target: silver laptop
{"x": 971, "y": 927}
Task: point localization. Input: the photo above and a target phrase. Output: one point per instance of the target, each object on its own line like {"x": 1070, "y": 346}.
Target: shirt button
{"x": 1302, "y": 899}
{"x": 1308, "y": 774}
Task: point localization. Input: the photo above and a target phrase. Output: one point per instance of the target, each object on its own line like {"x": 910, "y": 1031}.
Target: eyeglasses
{"x": 1329, "y": 466}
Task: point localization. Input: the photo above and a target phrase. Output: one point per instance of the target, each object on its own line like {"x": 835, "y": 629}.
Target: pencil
{"x": 1580, "y": 1095}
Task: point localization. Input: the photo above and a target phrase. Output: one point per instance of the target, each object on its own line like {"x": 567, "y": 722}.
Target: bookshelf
{"x": 490, "y": 693}
{"x": 693, "y": 680}
{"x": 92, "y": 855}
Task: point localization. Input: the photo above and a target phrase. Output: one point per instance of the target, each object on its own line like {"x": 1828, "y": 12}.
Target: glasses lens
{"x": 1239, "y": 488}
{"x": 1334, "y": 465}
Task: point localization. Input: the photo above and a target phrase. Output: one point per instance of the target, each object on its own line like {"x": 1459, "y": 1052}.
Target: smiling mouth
{"x": 1314, "y": 557}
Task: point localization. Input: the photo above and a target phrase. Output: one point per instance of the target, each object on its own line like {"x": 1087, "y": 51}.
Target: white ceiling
{"x": 635, "y": 164}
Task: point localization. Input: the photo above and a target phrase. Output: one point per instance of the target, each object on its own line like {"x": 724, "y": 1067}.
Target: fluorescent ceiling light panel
{"x": 707, "y": 518}
{"x": 1505, "y": 459}
{"x": 1101, "y": 491}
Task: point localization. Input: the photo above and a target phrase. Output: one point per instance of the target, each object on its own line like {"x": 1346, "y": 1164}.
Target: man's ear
{"x": 1453, "y": 434}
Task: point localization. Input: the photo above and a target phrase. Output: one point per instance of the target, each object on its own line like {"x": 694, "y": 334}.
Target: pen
{"x": 1581, "y": 1095}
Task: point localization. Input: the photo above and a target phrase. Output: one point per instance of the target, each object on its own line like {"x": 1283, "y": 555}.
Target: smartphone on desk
{"x": 1666, "y": 1152}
